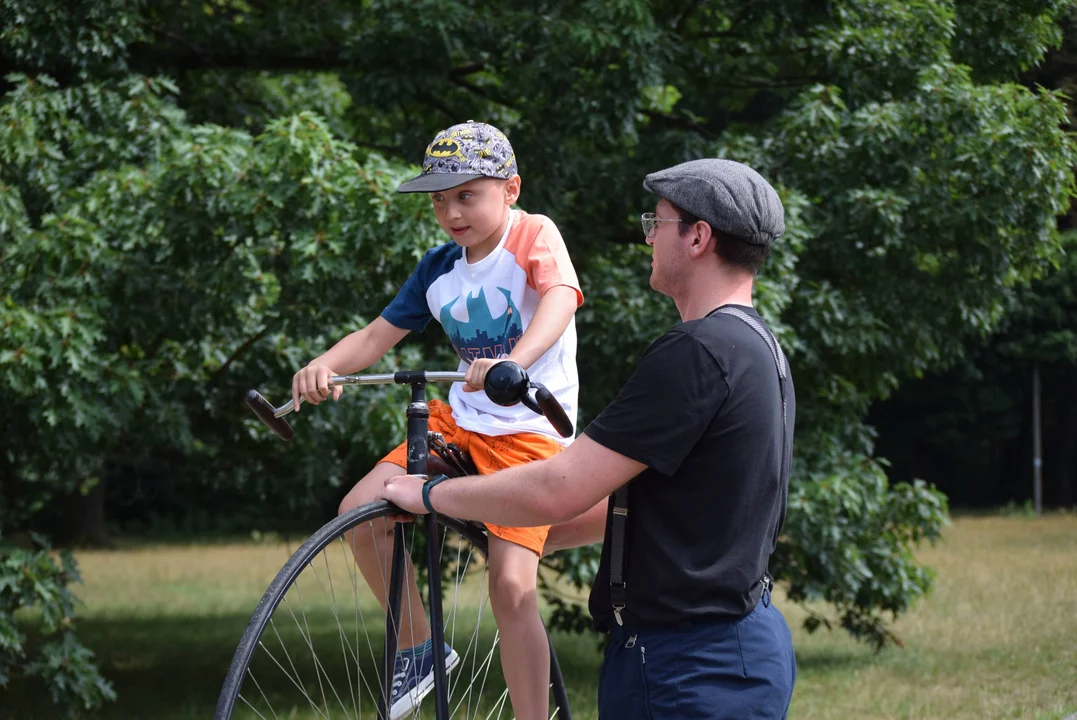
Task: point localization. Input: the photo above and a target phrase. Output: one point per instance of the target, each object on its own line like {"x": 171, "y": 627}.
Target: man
{"x": 696, "y": 452}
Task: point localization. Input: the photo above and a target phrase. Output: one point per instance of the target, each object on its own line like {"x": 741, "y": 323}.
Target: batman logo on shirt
{"x": 482, "y": 335}
{"x": 444, "y": 149}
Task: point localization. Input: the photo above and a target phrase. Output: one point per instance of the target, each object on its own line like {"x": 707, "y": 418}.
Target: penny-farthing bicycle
{"x": 320, "y": 645}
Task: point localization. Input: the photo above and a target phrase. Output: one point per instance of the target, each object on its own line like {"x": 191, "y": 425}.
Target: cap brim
{"x": 436, "y": 182}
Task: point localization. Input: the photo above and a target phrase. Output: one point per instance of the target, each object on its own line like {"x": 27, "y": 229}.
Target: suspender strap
{"x": 618, "y": 524}
{"x": 783, "y": 374}
{"x": 617, "y": 551}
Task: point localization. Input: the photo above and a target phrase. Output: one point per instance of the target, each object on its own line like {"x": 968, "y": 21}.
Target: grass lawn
{"x": 996, "y": 639}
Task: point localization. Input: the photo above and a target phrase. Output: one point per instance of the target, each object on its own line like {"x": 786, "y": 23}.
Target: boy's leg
{"x": 372, "y": 545}
{"x": 514, "y": 558}
{"x": 525, "y": 653}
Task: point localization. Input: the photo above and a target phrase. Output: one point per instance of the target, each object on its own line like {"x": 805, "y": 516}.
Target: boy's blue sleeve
{"x": 409, "y": 310}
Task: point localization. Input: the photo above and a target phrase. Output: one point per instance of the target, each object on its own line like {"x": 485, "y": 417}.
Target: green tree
{"x": 969, "y": 426}
{"x": 167, "y": 249}
{"x": 170, "y": 267}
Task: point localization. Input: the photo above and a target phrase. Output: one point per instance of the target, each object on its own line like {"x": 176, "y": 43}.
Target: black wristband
{"x": 427, "y": 487}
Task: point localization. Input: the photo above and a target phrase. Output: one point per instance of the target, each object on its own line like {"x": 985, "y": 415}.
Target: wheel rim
{"x": 313, "y": 646}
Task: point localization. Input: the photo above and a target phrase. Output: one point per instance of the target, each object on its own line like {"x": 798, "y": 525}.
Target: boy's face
{"x": 474, "y": 213}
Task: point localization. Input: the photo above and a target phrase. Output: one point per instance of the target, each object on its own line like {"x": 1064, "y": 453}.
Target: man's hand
{"x": 406, "y": 492}
{"x": 476, "y": 374}
{"x": 312, "y": 384}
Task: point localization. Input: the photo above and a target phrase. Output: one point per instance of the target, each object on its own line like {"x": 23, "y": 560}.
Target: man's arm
{"x": 543, "y": 492}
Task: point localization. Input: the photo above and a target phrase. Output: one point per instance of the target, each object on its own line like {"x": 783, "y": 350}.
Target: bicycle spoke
{"x": 345, "y": 645}
{"x": 310, "y": 646}
{"x": 500, "y": 706}
{"x": 409, "y": 573}
{"x": 488, "y": 660}
{"x": 484, "y": 669}
{"x": 260, "y": 715}
{"x": 317, "y": 661}
{"x": 309, "y": 613}
{"x": 353, "y": 572}
{"x": 262, "y": 692}
{"x": 473, "y": 640}
{"x": 294, "y": 679}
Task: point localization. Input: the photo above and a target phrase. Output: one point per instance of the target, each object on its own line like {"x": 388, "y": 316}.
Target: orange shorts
{"x": 490, "y": 453}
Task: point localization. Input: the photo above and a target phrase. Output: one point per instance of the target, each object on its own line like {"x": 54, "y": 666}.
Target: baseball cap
{"x": 729, "y": 195}
{"x": 461, "y": 153}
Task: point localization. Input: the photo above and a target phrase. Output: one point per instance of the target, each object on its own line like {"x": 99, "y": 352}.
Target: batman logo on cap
{"x": 444, "y": 149}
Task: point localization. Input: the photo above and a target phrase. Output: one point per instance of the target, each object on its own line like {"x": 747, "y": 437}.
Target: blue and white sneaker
{"x": 413, "y": 679}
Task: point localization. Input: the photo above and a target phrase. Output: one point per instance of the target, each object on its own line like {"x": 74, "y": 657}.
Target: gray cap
{"x": 729, "y": 195}
{"x": 461, "y": 153}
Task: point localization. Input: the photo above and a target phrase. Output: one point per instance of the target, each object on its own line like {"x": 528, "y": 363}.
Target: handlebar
{"x": 506, "y": 384}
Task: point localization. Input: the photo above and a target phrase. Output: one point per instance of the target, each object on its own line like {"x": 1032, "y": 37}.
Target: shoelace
{"x": 400, "y": 677}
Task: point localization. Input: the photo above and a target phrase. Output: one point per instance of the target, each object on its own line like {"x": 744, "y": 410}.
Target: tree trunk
{"x": 1066, "y": 467}
{"x": 86, "y": 517}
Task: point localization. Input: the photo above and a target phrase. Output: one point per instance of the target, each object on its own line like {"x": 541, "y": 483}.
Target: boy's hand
{"x": 475, "y": 377}
{"x": 312, "y": 384}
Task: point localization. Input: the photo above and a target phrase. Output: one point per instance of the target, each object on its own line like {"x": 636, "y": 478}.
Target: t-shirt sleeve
{"x": 409, "y": 310}
{"x": 546, "y": 261}
{"x": 667, "y": 404}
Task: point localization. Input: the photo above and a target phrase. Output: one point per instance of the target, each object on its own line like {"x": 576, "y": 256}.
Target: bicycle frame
{"x": 418, "y": 414}
{"x": 506, "y": 384}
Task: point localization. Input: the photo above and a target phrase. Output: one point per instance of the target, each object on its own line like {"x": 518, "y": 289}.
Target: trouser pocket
{"x": 622, "y": 685}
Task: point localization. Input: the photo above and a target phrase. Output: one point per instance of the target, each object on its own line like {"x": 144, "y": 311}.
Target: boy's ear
{"x": 512, "y": 190}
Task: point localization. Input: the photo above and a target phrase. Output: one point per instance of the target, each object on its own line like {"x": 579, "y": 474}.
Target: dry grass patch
{"x": 996, "y": 639}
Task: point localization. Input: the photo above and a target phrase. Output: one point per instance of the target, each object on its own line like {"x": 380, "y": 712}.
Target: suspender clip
{"x": 617, "y": 597}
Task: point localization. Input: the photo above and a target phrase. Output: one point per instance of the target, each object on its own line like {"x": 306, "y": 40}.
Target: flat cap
{"x": 729, "y": 195}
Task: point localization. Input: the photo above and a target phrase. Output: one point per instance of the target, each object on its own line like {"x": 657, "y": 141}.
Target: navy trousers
{"x": 735, "y": 669}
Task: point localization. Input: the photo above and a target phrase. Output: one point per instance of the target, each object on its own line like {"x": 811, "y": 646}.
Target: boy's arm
{"x": 586, "y": 529}
{"x": 554, "y": 312}
{"x": 355, "y": 352}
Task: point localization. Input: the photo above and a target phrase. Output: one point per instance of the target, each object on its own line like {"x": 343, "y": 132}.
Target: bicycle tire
{"x": 240, "y": 666}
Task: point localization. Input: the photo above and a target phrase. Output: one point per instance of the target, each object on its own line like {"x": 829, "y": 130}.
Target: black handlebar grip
{"x": 506, "y": 384}
{"x": 264, "y": 410}
{"x": 553, "y": 411}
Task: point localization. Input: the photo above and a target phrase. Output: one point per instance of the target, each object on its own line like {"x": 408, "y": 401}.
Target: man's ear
{"x": 702, "y": 239}
{"x": 512, "y": 190}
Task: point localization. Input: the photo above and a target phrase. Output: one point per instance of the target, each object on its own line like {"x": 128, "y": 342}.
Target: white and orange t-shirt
{"x": 485, "y": 308}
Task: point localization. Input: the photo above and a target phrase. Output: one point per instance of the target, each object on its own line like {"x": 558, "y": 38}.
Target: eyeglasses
{"x": 650, "y": 222}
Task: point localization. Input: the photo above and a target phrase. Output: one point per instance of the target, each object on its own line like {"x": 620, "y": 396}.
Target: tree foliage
{"x": 168, "y": 268}
{"x": 197, "y": 197}
{"x": 968, "y": 426}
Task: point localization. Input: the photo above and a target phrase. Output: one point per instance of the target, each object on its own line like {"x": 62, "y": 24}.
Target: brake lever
{"x": 548, "y": 407}
{"x": 529, "y": 401}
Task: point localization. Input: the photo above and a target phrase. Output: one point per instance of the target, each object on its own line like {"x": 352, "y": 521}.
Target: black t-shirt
{"x": 703, "y": 411}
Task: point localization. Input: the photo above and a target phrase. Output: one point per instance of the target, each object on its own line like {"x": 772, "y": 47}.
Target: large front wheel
{"x": 314, "y": 646}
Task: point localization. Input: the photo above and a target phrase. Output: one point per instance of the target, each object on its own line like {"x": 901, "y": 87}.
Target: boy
{"x": 504, "y": 288}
